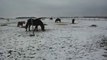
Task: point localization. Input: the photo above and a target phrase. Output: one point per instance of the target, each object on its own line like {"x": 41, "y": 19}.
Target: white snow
{"x": 60, "y": 41}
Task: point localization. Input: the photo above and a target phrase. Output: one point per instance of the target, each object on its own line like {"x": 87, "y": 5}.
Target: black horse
{"x": 35, "y": 22}
{"x": 57, "y": 20}
{"x": 73, "y": 21}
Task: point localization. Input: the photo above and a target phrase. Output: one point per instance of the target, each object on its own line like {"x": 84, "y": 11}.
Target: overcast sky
{"x": 14, "y": 8}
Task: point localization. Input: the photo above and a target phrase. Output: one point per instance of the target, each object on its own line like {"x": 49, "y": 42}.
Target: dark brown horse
{"x": 73, "y": 21}
{"x": 20, "y": 23}
{"x": 35, "y": 22}
{"x": 57, "y": 20}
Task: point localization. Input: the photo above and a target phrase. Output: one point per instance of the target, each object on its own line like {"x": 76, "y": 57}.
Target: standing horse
{"x": 36, "y": 23}
{"x": 20, "y": 23}
{"x": 73, "y": 21}
{"x": 57, "y": 20}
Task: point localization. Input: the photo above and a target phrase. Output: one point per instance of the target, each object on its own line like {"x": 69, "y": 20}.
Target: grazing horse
{"x": 57, "y": 20}
{"x": 36, "y": 23}
{"x": 20, "y": 23}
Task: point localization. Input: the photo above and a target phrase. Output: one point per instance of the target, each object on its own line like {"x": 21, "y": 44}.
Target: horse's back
{"x": 38, "y": 22}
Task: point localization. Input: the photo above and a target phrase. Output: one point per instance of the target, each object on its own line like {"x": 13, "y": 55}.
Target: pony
{"x": 57, "y": 20}
{"x": 20, "y": 23}
{"x": 35, "y": 22}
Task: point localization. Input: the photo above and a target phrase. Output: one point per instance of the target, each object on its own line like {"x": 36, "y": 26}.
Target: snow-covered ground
{"x": 60, "y": 41}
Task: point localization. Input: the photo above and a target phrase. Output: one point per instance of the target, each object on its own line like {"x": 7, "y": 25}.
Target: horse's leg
{"x": 26, "y": 27}
{"x": 29, "y": 27}
{"x": 36, "y": 28}
{"x": 60, "y": 20}
{"x": 22, "y": 24}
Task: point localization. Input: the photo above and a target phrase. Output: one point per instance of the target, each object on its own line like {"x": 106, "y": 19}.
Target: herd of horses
{"x": 35, "y": 22}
